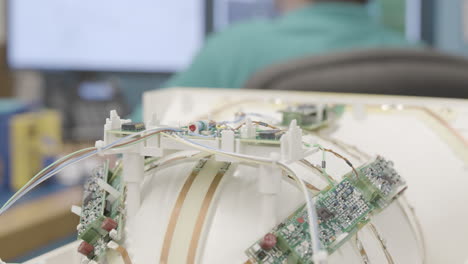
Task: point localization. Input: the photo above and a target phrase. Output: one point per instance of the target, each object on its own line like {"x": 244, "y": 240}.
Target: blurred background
{"x": 65, "y": 63}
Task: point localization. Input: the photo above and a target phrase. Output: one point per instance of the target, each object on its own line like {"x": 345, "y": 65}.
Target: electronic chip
{"x": 133, "y": 126}
{"x": 324, "y": 214}
{"x": 261, "y": 255}
{"x": 269, "y": 134}
{"x": 88, "y": 196}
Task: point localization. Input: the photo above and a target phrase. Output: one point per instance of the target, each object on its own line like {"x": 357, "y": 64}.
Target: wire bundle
{"x": 78, "y": 156}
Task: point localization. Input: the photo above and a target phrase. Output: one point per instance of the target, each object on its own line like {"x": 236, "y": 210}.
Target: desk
{"x": 31, "y": 225}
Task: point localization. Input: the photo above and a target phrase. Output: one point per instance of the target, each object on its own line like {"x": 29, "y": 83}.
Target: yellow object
{"x": 35, "y": 139}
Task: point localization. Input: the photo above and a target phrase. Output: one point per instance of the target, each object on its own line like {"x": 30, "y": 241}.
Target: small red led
{"x": 85, "y": 248}
{"x": 193, "y": 128}
{"x": 300, "y": 220}
{"x": 108, "y": 224}
{"x": 269, "y": 241}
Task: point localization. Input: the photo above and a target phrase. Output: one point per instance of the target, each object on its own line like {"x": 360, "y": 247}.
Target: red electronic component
{"x": 86, "y": 249}
{"x": 269, "y": 241}
{"x": 300, "y": 220}
{"x": 193, "y": 127}
{"x": 108, "y": 224}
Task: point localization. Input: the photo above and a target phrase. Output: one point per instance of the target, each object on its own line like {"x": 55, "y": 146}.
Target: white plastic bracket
{"x": 291, "y": 143}
{"x": 248, "y": 130}
{"x": 133, "y": 170}
{"x": 269, "y": 186}
{"x": 228, "y": 144}
{"x": 76, "y": 210}
{"x": 108, "y": 188}
{"x": 99, "y": 145}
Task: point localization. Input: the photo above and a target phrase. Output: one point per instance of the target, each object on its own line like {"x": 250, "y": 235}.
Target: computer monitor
{"x": 105, "y": 35}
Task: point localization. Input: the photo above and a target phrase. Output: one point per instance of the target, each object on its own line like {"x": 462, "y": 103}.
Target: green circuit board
{"x": 342, "y": 211}
{"x": 97, "y": 207}
{"x": 380, "y": 182}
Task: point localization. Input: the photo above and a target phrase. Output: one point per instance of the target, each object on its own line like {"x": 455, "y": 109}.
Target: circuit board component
{"x": 102, "y": 217}
{"x": 311, "y": 116}
{"x": 342, "y": 211}
{"x": 380, "y": 182}
{"x": 133, "y": 126}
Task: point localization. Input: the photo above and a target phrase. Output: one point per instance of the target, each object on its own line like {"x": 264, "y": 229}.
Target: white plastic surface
{"x": 436, "y": 174}
{"x": 133, "y": 170}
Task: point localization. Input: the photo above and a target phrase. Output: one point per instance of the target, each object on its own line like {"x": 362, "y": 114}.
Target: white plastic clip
{"x": 248, "y": 130}
{"x": 269, "y": 186}
{"x": 99, "y": 145}
{"x": 76, "y": 210}
{"x": 108, "y": 188}
{"x": 291, "y": 143}
{"x": 112, "y": 245}
{"x": 114, "y": 234}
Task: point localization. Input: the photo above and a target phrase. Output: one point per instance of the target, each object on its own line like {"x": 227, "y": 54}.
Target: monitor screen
{"x": 105, "y": 35}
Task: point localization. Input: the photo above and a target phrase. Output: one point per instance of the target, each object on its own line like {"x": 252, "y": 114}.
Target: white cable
{"x": 78, "y": 159}
{"x": 177, "y": 159}
{"x": 201, "y": 147}
{"x": 320, "y": 255}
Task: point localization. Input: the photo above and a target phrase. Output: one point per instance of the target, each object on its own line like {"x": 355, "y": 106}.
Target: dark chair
{"x": 418, "y": 72}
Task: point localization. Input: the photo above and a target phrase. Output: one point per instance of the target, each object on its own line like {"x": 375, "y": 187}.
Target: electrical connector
{"x": 112, "y": 245}
{"x": 113, "y": 234}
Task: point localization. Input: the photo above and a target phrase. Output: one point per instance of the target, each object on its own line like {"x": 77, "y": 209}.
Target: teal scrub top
{"x": 228, "y": 59}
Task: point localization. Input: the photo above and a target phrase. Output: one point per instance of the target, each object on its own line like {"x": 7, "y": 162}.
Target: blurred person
{"x": 306, "y": 27}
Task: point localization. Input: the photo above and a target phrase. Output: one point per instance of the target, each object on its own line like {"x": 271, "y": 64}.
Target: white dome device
{"x": 305, "y": 230}
{"x": 251, "y": 190}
